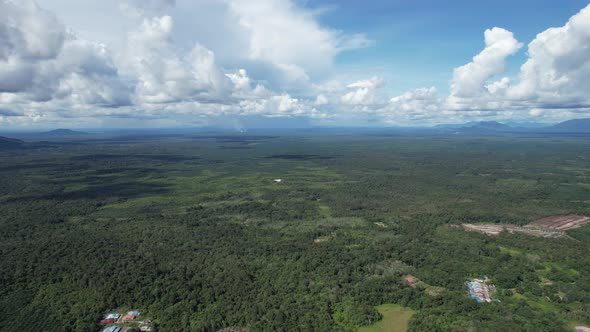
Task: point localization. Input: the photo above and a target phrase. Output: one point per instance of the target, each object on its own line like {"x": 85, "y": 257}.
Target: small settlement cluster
{"x": 116, "y": 322}
{"x": 481, "y": 290}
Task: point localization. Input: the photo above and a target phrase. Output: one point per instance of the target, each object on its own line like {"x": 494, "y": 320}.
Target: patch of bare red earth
{"x": 563, "y": 223}
{"x": 550, "y": 227}
{"x": 233, "y": 329}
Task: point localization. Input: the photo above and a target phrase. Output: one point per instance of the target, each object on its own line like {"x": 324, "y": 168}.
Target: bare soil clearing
{"x": 550, "y": 227}
{"x": 233, "y": 329}
{"x": 324, "y": 238}
{"x": 492, "y": 229}
{"x": 562, "y": 222}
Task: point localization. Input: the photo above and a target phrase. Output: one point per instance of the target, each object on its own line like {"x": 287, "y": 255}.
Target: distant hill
{"x": 455, "y": 125}
{"x": 477, "y": 128}
{"x": 10, "y": 143}
{"x": 491, "y": 125}
{"x": 494, "y": 128}
{"x": 526, "y": 125}
{"x": 63, "y": 133}
{"x": 571, "y": 126}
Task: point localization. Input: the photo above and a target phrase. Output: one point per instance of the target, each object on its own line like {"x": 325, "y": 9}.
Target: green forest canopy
{"x": 195, "y": 232}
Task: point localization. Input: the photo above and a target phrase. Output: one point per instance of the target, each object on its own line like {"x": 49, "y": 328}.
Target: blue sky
{"x": 420, "y": 42}
{"x": 168, "y": 63}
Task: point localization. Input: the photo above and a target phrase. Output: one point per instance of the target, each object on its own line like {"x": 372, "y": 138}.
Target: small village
{"x": 481, "y": 290}
{"x": 131, "y": 321}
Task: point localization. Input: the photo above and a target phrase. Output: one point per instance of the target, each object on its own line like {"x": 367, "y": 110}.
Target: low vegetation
{"x": 395, "y": 319}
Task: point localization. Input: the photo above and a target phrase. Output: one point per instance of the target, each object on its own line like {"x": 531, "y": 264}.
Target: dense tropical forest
{"x": 291, "y": 232}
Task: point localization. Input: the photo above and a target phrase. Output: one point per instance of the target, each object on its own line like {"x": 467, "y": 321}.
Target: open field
{"x": 395, "y": 319}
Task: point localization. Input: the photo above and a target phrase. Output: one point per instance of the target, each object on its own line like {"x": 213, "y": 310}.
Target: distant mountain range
{"x": 63, "y": 133}
{"x": 576, "y": 126}
{"x": 491, "y": 125}
{"x": 481, "y": 124}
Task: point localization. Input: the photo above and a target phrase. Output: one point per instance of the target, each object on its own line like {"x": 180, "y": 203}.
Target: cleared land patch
{"x": 562, "y": 222}
{"x": 550, "y": 227}
{"x": 494, "y": 229}
{"x": 429, "y": 290}
{"x": 233, "y": 329}
{"x": 395, "y": 319}
{"x": 324, "y": 238}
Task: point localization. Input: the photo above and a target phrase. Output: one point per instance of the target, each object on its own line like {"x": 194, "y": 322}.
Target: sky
{"x": 282, "y": 63}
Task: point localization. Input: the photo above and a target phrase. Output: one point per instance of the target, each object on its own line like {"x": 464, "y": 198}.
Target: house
{"x": 113, "y": 316}
{"x": 108, "y": 321}
{"x": 480, "y": 289}
{"x": 113, "y": 328}
{"x": 145, "y": 328}
{"x": 132, "y": 315}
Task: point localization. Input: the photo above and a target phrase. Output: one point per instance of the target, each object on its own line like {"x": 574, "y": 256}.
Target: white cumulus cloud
{"x": 41, "y": 61}
{"x": 166, "y": 75}
{"x": 558, "y": 67}
{"x": 170, "y": 60}
{"x": 289, "y": 37}
{"x": 364, "y": 91}
{"x": 468, "y": 80}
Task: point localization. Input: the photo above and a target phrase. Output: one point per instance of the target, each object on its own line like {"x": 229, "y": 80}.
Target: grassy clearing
{"x": 511, "y": 251}
{"x": 429, "y": 289}
{"x": 395, "y": 319}
{"x": 537, "y": 303}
